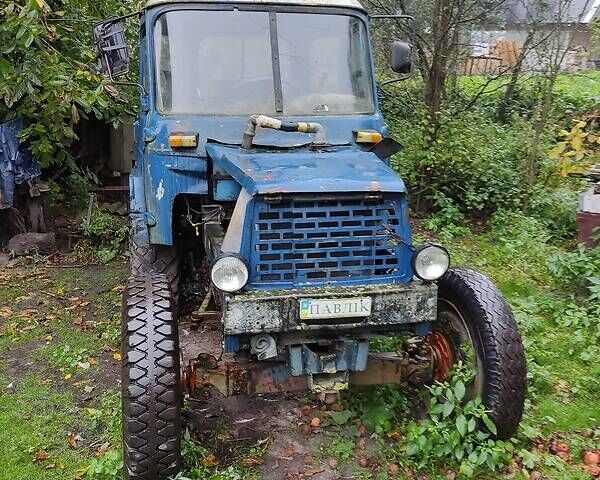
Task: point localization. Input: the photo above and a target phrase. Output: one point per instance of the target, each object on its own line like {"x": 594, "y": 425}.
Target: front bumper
{"x": 279, "y": 310}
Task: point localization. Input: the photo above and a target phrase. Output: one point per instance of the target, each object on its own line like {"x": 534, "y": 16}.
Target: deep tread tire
{"x": 150, "y": 380}
{"x": 497, "y": 343}
{"x": 156, "y": 258}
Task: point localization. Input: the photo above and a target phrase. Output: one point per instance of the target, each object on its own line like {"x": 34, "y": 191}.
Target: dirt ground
{"x": 59, "y": 328}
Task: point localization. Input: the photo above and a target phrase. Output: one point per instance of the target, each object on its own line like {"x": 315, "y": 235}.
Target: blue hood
{"x": 341, "y": 169}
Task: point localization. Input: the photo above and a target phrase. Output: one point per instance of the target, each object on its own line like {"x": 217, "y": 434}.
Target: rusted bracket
{"x": 205, "y": 376}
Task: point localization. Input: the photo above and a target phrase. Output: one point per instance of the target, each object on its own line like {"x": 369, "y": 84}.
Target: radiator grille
{"x": 324, "y": 241}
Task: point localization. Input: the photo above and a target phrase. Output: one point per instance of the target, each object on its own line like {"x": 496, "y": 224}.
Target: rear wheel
{"x": 150, "y": 380}
{"x": 473, "y": 313}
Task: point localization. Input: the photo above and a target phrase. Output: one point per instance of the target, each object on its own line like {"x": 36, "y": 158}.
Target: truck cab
{"x": 262, "y": 173}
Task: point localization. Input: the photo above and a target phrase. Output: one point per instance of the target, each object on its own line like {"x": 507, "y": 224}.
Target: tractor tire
{"x": 471, "y": 309}
{"x": 150, "y": 380}
{"x": 156, "y": 258}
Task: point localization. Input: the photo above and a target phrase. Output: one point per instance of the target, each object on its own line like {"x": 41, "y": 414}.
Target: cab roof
{"x": 302, "y": 3}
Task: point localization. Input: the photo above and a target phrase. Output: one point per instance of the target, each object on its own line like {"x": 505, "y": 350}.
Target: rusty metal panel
{"x": 278, "y": 311}
{"x": 232, "y": 378}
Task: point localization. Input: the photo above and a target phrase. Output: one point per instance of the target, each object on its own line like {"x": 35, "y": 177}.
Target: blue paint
{"x": 17, "y": 166}
{"x": 301, "y": 360}
{"x": 422, "y": 329}
{"x": 232, "y": 343}
{"x": 282, "y": 162}
{"x": 336, "y": 169}
{"x": 311, "y": 242}
{"x": 226, "y": 189}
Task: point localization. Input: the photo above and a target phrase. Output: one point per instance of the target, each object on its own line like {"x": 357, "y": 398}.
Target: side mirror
{"x": 401, "y": 57}
{"x": 111, "y": 48}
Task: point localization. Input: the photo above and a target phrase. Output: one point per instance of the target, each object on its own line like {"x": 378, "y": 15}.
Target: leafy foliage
{"x": 467, "y": 165}
{"x": 108, "y": 467}
{"x": 452, "y": 432}
{"x": 110, "y": 231}
{"x": 47, "y": 72}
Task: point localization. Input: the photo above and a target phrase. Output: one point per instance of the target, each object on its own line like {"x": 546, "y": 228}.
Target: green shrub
{"x": 577, "y": 270}
{"x": 108, "y": 231}
{"x": 468, "y": 161}
{"x": 556, "y": 209}
{"x": 452, "y": 433}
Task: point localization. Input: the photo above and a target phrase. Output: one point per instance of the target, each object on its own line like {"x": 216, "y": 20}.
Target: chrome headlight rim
{"x": 229, "y": 256}
{"x": 419, "y": 250}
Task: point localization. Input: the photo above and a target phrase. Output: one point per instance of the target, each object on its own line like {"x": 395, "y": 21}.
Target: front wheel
{"x": 472, "y": 313}
{"x": 150, "y": 380}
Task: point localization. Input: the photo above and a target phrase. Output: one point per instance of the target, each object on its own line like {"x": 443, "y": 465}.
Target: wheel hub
{"x": 443, "y": 355}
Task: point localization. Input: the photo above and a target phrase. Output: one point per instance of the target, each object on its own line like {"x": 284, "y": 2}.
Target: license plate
{"x": 334, "y": 308}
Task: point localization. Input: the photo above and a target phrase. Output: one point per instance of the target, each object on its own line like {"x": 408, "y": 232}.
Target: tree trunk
{"x": 507, "y": 98}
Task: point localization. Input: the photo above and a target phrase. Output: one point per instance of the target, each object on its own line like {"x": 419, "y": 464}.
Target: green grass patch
{"x": 35, "y": 423}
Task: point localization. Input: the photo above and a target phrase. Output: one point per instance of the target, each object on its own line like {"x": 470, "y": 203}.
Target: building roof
{"x": 551, "y": 11}
{"x": 306, "y": 3}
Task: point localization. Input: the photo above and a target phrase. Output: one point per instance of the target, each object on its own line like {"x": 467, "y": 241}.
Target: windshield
{"x": 244, "y": 62}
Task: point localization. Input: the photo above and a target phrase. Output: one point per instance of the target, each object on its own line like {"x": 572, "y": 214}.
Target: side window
{"x": 144, "y": 80}
{"x": 163, "y": 58}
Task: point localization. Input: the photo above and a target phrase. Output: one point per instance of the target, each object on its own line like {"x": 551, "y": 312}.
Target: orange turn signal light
{"x": 183, "y": 141}
{"x": 368, "y": 136}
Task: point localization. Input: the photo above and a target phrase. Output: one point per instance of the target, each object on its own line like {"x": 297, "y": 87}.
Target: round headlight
{"x": 229, "y": 274}
{"x": 430, "y": 262}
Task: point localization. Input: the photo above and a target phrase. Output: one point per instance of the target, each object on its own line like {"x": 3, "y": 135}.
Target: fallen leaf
{"x": 591, "y": 458}
{"x": 210, "y": 461}
{"x": 252, "y": 462}
{"x": 305, "y": 410}
{"x": 288, "y": 451}
{"x": 92, "y": 361}
{"x": 40, "y": 456}
{"x": 561, "y": 386}
{"x": 68, "y": 376}
{"x": 117, "y": 356}
{"x": 73, "y": 438}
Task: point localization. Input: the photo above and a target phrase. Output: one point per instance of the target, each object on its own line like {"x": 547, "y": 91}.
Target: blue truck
{"x": 262, "y": 169}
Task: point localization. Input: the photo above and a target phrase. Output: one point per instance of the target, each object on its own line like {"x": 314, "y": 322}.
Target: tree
{"x": 47, "y": 75}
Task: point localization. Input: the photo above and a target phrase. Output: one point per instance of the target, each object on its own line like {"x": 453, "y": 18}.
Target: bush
{"x": 108, "y": 231}
{"x": 468, "y": 161}
{"x": 455, "y": 431}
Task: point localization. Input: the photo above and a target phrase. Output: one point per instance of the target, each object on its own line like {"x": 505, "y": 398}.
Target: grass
{"x": 64, "y": 380}
{"x": 61, "y": 413}
{"x": 35, "y": 425}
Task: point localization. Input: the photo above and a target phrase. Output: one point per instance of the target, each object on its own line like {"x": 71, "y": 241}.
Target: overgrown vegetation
{"x": 107, "y": 232}
{"x": 47, "y": 72}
